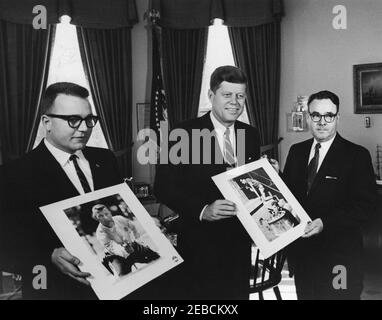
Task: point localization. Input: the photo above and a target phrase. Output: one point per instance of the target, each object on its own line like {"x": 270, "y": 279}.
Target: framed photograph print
{"x": 367, "y": 88}
{"x": 115, "y": 238}
{"x": 267, "y": 209}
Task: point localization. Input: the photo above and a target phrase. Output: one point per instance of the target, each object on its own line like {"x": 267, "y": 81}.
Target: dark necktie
{"x": 313, "y": 166}
{"x": 229, "y": 155}
{"x": 80, "y": 174}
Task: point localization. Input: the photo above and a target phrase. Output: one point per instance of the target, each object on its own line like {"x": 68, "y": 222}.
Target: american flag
{"x": 158, "y": 98}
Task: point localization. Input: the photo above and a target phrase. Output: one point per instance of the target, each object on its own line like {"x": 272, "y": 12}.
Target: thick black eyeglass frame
{"x": 90, "y": 120}
{"x": 330, "y": 116}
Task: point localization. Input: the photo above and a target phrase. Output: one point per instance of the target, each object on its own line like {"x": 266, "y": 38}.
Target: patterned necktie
{"x": 313, "y": 166}
{"x": 80, "y": 174}
{"x": 229, "y": 154}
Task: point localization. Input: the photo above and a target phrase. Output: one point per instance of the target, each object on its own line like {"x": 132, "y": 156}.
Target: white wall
{"x": 315, "y": 57}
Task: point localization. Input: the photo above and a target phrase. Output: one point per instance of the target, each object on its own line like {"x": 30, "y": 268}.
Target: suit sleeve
{"x": 362, "y": 198}
{"x": 171, "y": 190}
{"x": 285, "y": 174}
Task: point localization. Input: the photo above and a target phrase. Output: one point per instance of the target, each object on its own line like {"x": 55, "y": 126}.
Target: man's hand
{"x": 68, "y": 265}
{"x": 220, "y": 209}
{"x": 313, "y": 228}
{"x": 273, "y": 162}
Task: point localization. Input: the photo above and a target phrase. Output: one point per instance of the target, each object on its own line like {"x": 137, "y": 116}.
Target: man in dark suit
{"x": 334, "y": 181}
{"x": 60, "y": 167}
{"x": 212, "y": 241}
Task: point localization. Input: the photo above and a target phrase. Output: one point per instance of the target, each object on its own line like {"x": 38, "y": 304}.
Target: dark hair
{"x": 226, "y": 73}
{"x": 68, "y": 88}
{"x": 325, "y": 95}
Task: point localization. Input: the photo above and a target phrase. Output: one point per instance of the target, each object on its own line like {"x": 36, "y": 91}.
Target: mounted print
{"x": 115, "y": 238}
{"x": 267, "y": 209}
{"x": 367, "y": 88}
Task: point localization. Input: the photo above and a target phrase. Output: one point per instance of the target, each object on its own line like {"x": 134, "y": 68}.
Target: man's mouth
{"x": 232, "y": 110}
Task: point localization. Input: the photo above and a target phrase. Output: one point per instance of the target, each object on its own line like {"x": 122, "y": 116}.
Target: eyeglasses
{"x": 76, "y": 121}
{"x": 328, "y": 117}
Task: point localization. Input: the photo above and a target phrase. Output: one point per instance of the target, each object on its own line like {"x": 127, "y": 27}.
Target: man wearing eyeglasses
{"x": 333, "y": 179}
{"x": 60, "y": 167}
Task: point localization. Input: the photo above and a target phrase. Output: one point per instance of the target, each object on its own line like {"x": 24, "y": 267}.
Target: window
{"x": 219, "y": 53}
{"x": 66, "y": 65}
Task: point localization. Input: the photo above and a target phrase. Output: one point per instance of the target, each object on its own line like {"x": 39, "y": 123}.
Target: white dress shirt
{"x": 62, "y": 158}
{"x": 323, "y": 150}
{"x": 220, "y": 130}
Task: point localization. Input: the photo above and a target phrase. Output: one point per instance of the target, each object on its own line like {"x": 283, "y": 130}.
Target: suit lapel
{"x": 216, "y": 152}
{"x": 51, "y": 169}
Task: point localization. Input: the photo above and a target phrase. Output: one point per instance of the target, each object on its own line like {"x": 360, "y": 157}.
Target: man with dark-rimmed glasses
{"x": 60, "y": 167}
{"x": 333, "y": 179}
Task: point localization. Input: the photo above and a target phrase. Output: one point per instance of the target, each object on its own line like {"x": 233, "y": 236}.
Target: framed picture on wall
{"x": 367, "y": 88}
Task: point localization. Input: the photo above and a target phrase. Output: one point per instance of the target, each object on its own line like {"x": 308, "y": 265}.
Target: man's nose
{"x": 83, "y": 126}
{"x": 233, "y": 99}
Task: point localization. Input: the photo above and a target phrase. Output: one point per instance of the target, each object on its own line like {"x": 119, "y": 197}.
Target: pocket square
{"x": 332, "y": 178}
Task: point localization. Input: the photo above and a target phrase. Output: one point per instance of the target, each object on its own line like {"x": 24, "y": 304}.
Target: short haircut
{"x": 229, "y": 74}
{"x": 96, "y": 210}
{"x": 325, "y": 95}
{"x": 68, "y": 88}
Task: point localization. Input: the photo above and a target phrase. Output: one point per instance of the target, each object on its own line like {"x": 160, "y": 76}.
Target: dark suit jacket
{"x": 26, "y": 237}
{"x": 343, "y": 195}
{"x": 217, "y": 254}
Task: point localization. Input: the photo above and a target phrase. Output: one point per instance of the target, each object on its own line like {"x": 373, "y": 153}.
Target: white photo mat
{"x": 106, "y": 285}
{"x": 272, "y": 216}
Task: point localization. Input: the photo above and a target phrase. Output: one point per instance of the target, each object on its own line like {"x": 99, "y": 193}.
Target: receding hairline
{"x": 67, "y": 95}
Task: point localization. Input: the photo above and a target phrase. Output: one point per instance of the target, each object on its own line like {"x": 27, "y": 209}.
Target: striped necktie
{"x": 229, "y": 154}
{"x": 313, "y": 166}
{"x": 80, "y": 174}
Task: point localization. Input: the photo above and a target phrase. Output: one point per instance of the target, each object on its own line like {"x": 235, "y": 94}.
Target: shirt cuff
{"x": 201, "y": 214}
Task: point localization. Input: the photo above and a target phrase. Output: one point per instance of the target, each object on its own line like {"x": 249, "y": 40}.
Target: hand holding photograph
{"x": 267, "y": 209}
{"x": 115, "y": 238}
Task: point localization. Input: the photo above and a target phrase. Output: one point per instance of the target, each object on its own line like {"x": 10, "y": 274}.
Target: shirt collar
{"x": 218, "y": 126}
{"x": 62, "y": 157}
{"x": 325, "y": 144}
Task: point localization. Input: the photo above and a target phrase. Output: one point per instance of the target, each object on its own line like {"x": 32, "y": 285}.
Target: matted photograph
{"x": 118, "y": 242}
{"x": 267, "y": 209}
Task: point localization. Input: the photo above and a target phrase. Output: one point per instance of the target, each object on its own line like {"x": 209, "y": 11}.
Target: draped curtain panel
{"x": 257, "y": 51}
{"x": 107, "y": 59}
{"x": 195, "y": 14}
{"x": 24, "y": 65}
{"x": 85, "y": 13}
{"x": 182, "y": 53}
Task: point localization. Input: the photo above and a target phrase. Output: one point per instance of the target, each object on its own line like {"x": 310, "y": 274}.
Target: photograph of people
{"x": 121, "y": 241}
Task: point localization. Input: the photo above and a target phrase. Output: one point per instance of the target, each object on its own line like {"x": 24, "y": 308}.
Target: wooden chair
{"x": 267, "y": 274}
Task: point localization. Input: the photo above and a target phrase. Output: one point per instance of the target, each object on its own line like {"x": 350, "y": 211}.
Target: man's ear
{"x": 210, "y": 95}
{"x": 46, "y": 122}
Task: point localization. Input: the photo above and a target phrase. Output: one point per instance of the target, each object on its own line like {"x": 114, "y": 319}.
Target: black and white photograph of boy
{"x": 113, "y": 233}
